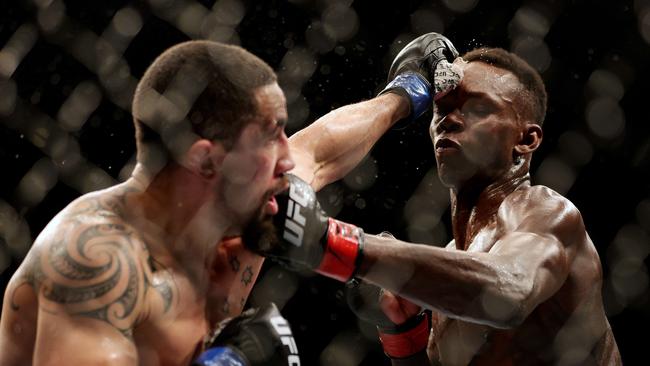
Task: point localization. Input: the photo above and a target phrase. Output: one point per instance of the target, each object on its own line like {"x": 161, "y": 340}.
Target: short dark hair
{"x": 196, "y": 89}
{"x": 533, "y": 99}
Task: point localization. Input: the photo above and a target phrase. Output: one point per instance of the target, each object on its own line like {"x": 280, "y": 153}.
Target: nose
{"x": 285, "y": 162}
{"x": 452, "y": 122}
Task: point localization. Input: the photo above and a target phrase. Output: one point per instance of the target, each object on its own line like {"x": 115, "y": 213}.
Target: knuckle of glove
{"x": 413, "y": 72}
{"x": 422, "y": 55}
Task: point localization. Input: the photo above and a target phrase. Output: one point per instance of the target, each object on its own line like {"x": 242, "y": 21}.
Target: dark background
{"x": 68, "y": 68}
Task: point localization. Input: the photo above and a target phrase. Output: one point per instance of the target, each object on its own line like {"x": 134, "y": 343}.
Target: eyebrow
{"x": 483, "y": 95}
{"x": 462, "y": 95}
{"x": 273, "y": 125}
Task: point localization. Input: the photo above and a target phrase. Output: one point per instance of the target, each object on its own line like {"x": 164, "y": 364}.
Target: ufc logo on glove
{"x": 281, "y": 326}
{"x": 294, "y": 225}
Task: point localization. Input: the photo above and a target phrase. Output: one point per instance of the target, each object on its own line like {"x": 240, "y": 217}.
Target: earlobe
{"x": 530, "y": 139}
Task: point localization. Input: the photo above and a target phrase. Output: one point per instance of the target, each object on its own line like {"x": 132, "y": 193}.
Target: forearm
{"x": 333, "y": 145}
{"x": 469, "y": 286}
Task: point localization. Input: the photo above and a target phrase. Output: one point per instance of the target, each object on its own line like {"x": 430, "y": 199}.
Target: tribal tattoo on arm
{"x": 99, "y": 270}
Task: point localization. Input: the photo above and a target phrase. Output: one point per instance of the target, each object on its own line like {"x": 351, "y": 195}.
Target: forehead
{"x": 480, "y": 77}
{"x": 271, "y": 103}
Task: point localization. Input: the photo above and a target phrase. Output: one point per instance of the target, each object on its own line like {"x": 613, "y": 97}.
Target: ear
{"x": 204, "y": 158}
{"x": 529, "y": 140}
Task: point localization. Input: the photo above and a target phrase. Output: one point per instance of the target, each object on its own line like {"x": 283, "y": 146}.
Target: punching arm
{"x": 499, "y": 288}
{"x": 329, "y": 148}
{"x": 333, "y": 145}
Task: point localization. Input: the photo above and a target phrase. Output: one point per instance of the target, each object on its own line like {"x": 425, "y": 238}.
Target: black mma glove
{"x": 397, "y": 340}
{"x": 412, "y": 73}
{"x": 256, "y": 337}
{"x": 304, "y": 237}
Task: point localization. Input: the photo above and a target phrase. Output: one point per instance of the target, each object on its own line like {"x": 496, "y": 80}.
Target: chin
{"x": 449, "y": 178}
{"x": 260, "y": 236}
{"x": 455, "y": 178}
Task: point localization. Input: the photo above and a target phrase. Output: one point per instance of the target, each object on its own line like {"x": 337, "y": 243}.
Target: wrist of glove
{"x": 416, "y": 88}
{"x": 258, "y": 336}
{"x": 414, "y": 73}
{"x": 304, "y": 237}
{"x": 406, "y": 339}
{"x": 221, "y": 356}
{"x": 398, "y": 341}
{"x": 343, "y": 250}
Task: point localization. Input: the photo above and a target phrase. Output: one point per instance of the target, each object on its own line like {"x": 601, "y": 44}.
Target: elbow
{"x": 503, "y": 313}
{"x": 514, "y": 320}
{"x": 506, "y": 308}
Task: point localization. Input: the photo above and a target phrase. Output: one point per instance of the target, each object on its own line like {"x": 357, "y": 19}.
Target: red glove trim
{"x": 342, "y": 250}
{"x": 408, "y": 343}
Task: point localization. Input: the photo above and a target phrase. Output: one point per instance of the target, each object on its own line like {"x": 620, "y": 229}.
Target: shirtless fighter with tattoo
{"x": 134, "y": 274}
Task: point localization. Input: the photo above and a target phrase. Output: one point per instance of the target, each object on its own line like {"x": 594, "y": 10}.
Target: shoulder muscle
{"x": 94, "y": 271}
{"x": 542, "y": 211}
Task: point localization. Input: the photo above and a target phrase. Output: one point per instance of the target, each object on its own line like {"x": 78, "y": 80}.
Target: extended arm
{"x": 329, "y": 148}
{"x": 499, "y": 288}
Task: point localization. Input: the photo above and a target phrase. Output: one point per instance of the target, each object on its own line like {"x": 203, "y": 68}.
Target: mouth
{"x": 271, "y": 206}
{"x": 446, "y": 146}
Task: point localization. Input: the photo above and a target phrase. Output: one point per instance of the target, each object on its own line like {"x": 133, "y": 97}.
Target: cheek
{"x": 489, "y": 146}
{"x": 264, "y": 167}
{"x": 245, "y": 168}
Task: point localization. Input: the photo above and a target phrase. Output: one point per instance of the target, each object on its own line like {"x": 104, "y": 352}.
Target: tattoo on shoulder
{"x": 166, "y": 292}
{"x": 93, "y": 271}
{"x": 165, "y": 287}
{"x": 158, "y": 279}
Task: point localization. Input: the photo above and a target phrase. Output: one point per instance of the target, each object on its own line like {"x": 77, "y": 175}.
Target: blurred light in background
{"x": 330, "y": 31}
{"x": 13, "y": 52}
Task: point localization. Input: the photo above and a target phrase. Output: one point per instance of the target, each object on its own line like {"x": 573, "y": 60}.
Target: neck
{"x": 177, "y": 215}
{"x": 475, "y": 204}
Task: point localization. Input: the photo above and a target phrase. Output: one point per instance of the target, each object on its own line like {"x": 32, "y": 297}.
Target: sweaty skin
{"x": 520, "y": 284}
{"x": 133, "y": 275}
{"x": 135, "y": 279}
{"x": 125, "y": 293}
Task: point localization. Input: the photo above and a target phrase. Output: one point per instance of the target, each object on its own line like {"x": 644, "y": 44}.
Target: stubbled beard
{"x": 260, "y": 234}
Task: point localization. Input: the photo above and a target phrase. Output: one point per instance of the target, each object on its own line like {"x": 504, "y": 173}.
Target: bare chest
{"x": 483, "y": 239}
{"x": 453, "y": 341}
{"x": 175, "y": 323}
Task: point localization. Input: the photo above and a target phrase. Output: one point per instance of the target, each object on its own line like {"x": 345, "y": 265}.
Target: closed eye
{"x": 477, "y": 107}
{"x": 275, "y": 130}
